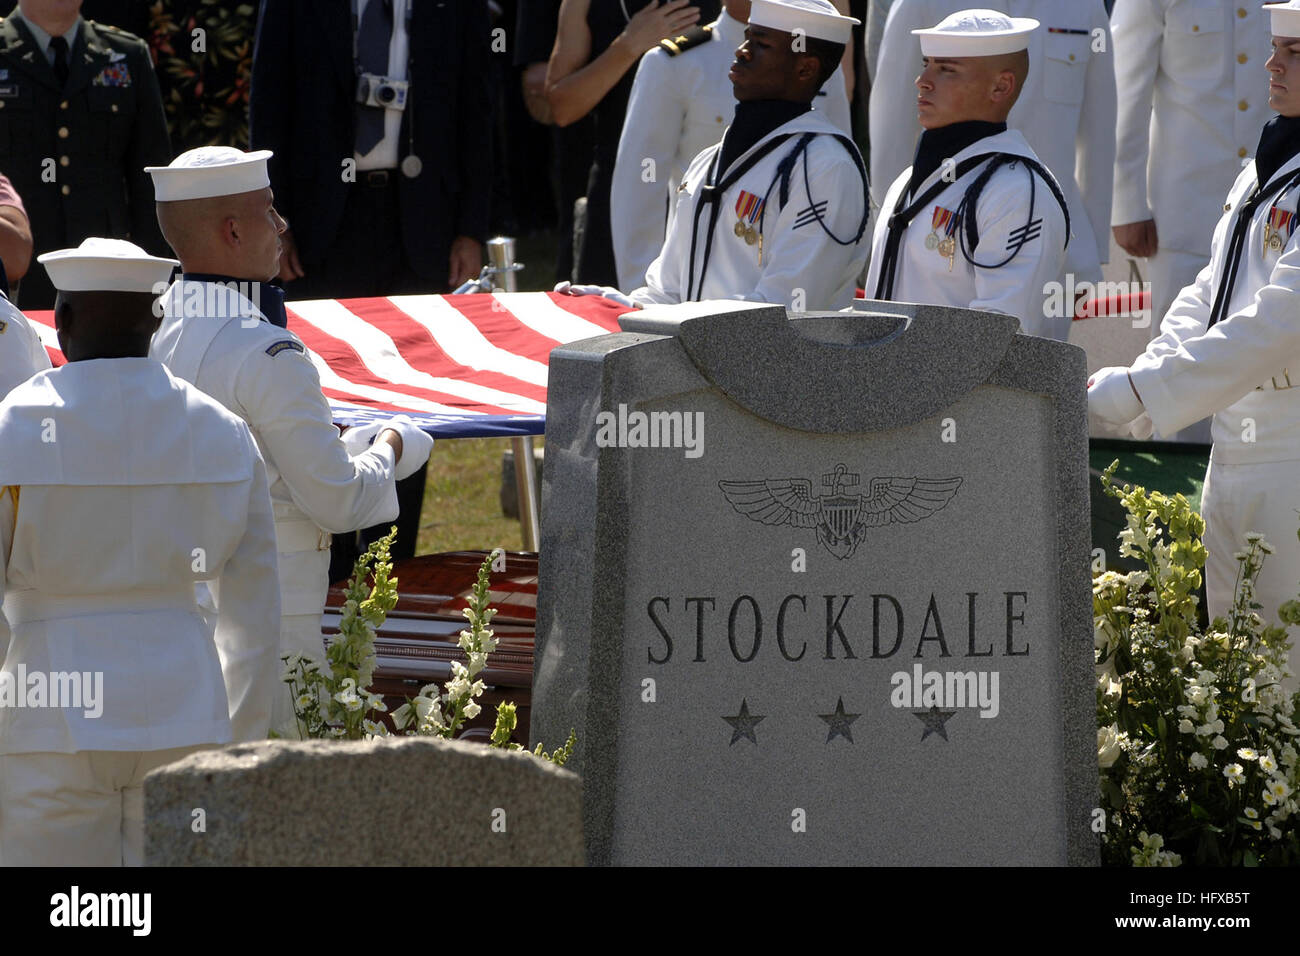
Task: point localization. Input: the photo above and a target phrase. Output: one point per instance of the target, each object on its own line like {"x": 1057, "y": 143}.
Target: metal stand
{"x": 502, "y": 267}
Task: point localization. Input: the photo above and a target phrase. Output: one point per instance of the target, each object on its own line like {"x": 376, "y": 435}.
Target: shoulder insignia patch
{"x": 685, "y": 41}
{"x": 278, "y": 347}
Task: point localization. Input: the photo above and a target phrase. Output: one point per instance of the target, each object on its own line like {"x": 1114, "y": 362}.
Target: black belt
{"x": 377, "y": 178}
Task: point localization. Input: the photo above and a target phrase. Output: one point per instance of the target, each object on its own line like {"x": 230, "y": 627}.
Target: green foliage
{"x": 334, "y": 701}
{"x": 1196, "y": 741}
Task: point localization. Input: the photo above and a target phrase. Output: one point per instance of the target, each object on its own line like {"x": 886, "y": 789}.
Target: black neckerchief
{"x": 1278, "y": 142}
{"x": 269, "y": 298}
{"x": 936, "y": 145}
{"x": 755, "y": 119}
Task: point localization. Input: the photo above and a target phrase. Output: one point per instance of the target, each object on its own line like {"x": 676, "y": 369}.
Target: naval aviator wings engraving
{"x": 840, "y": 519}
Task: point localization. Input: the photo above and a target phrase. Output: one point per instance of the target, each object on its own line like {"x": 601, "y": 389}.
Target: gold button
{"x": 1071, "y": 56}
{"x": 1241, "y": 58}
{"x": 1241, "y": 14}
{"x": 113, "y": 107}
{"x": 1195, "y": 28}
{"x": 66, "y": 190}
{"x": 63, "y": 132}
{"x": 1241, "y": 152}
{"x": 1243, "y": 106}
{"x": 1227, "y": 206}
{"x": 719, "y": 119}
{"x": 63, "y": 160}
{"x": 63, "y": 105}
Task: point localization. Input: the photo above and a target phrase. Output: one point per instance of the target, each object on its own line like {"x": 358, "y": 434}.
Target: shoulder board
{"x": 687, "y": 40}
{"x": 114, "y": 32}
{"x": 276, "y": 348}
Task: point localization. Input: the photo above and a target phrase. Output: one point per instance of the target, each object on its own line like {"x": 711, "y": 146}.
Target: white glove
{"x": 1111, "y": 397}
{"x": 604, "y": 291}
{"x": 359, "y": 438}
{"x": 416, "y": 445}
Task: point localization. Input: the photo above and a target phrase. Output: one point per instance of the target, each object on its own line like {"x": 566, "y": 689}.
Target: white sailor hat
{"x": 106, "y": 265}
{"x": 210, "y": 171}
{"x": 815, "y": 18}
{"x": 976, "y": 33}
{"x": 1284, "y": 18}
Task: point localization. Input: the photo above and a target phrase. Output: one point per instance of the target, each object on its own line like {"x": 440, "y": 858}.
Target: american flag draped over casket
{"x": 461, "y": 365}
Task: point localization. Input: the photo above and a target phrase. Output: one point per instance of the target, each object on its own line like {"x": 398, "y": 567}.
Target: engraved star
{"x": 839, "y": 722}
{"x": 934, "y": 719}
{"x": 743, "y": 723}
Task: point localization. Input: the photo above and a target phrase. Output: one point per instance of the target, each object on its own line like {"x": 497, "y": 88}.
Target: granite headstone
{"x": 396, "y": 801}
{"x": 814, "y": 589}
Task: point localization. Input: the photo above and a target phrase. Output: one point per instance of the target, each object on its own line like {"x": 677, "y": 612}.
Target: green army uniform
{"x": 77, "y": 155}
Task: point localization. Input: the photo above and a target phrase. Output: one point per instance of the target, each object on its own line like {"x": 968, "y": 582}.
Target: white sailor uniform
{"x": 1021, "y": 237}
{"x": 124, "y": 487}
{"x": 1244, "y": 371}
{"x": 263, "y": 374}
{"x": 1066, "y": 110}
{"x": 21, "y": 352}
{"x": 801, "y": 246}
{"x": 680, "y": 105}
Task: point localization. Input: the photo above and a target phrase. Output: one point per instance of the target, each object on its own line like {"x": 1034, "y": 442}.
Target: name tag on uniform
{"x": 8, "y": 91}
{"x": 115, "y": 74}
{"x": 278, "y": 347}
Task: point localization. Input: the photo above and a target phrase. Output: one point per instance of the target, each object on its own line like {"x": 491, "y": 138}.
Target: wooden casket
{"x": 418, "y": 641}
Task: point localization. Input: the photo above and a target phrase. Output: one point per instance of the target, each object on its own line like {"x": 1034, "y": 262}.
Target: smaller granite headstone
{"x": 400, "y": 801}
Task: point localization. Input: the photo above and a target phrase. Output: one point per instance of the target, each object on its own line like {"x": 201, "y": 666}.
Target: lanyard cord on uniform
{"x": 1232, "y": 258}
{"x": 1025, "y": 233}
{"x": 783, "y": 175}
{"x": 711, "y": 195}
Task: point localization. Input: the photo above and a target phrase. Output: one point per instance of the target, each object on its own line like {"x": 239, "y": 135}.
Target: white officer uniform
{"x": 123, "y": 487}
{"x": 681, "y": 103}
{"x": 1193, "y": 105}
{"x": 1004, "y": 215}
{"x": 1021, "y": 229}
{"x": 21, "y": 352}
{"x": 264, "y": 375}
{"x": 1066, "y": 110}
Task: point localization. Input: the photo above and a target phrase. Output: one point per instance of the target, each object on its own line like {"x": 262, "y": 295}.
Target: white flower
{"x": 1246, "y": 753}
{"x": 1197, "y": 762}
{"x": 1109, "y": 744}
{"x": 1267, "y": 763}
{"x": 374, "y": 729}
{"x": 353, "y": 703}
{"x": 1234, "y": 773}
{"x": 471, "y": 710}
{"x": 305, "y": 701}
{"x": 1219, "y": 743}
{"x": 1185, "y": 726}
{"x": 1275, "y": 833}
{"x": 1252, "y": 813}
{"x": 403, "y": 716}
{"x": 1268, "y": 797}
{"x": 1277, "y": 786}
{"x": 376, "y": 702}
{"x": 337, "y": 731}
{"x": 457, "y": 688}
